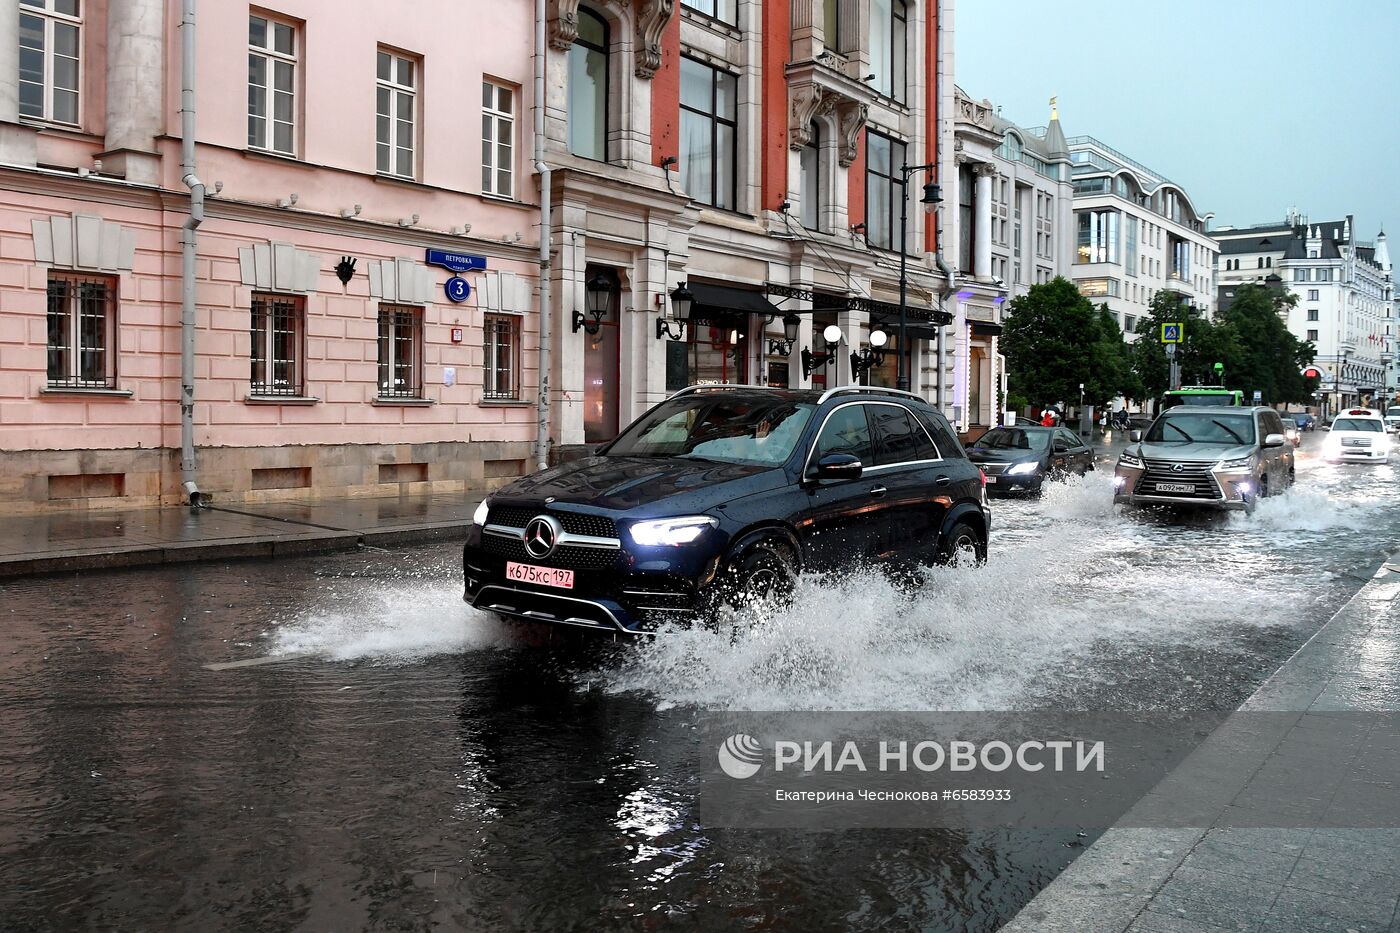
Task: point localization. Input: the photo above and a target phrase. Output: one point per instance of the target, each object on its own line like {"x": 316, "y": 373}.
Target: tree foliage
{"x": 1250, "y": 339}
{"x": 1054, "y": 339}
{"x": 1269, "y": 359}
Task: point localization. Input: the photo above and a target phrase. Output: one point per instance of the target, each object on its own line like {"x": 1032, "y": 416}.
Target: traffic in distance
{"x": 721, "y": 496}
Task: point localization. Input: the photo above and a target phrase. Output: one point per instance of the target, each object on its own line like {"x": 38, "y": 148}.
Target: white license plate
{"x": 540, "y": 576}
{"x": 991, "y": 480}
{"x": 1175, "y": 487}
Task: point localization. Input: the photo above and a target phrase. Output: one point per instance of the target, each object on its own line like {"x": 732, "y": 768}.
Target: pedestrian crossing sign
{"x": 1171, "y": 333}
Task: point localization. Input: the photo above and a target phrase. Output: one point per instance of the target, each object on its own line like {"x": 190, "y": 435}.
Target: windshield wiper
{"x": 1189, "y": 438}
{"x": 1228, "y": 429}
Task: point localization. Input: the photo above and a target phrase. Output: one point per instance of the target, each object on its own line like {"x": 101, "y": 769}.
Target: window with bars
{"x": 278, "y": 328}
{"x": 400, "y": 352}
{"x": 501, "y": 365}
{"x": 272, "y": 63}
{"x": 50, "y": 34}
{"x": 82, "y": 341}
{"x": 497, "y": 140}
{"x": 396, "y": 130}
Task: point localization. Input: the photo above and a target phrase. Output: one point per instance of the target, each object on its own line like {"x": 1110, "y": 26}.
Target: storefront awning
{"x": 723, "y": 302}
{"x": 979, "y": 329}
{"x": 918, "y": 330}
{"x": 927, "y": 317}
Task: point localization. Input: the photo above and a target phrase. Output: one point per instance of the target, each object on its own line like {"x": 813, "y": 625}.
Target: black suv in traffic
{"x": 724, "y": 494}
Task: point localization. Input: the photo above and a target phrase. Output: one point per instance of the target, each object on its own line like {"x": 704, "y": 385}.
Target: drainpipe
{"x": 951, "y": 279}
{"x": 188, "y": 243}
{"x": 542, "y": 404}
{"x": 949, "y": 276}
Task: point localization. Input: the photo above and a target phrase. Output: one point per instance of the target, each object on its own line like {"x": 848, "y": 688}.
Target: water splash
{"x": 396, "y": 623}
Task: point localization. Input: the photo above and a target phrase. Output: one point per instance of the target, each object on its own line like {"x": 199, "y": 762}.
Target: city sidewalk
{"x": 140, "y": 537}
{"x": 1323, "y": 752}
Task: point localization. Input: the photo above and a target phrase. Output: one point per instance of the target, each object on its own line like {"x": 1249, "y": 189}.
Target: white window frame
{"x": 397, "y": 90}
{"x": 269, "y": 54}
{"x": 494, "y": 120}
{"x": 44, "y": 11}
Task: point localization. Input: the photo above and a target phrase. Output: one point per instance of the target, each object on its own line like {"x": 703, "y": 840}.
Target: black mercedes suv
{"x": 724, "y": 494}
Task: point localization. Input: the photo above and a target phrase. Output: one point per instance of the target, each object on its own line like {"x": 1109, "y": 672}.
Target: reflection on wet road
{"x": 408, "y": 763}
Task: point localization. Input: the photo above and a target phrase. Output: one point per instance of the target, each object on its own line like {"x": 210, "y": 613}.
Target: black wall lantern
{"x": 598, "y": 291}
{"x": 873, "y": 355}
{"x": 791, "y": 323}
{"x": 810, "y": 360}
{"x": 679, "y": 316}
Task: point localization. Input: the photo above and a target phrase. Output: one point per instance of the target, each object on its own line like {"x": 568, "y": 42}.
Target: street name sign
{"x": 455, "y": 262}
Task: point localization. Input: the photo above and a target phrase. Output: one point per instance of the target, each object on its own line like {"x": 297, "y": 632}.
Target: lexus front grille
{"x": 1198, "y": 475}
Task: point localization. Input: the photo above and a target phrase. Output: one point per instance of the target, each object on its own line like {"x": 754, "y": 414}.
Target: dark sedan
{"x": 1020, "y": 459}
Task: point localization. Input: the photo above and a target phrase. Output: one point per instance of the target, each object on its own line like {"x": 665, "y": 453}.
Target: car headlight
{"x": 1023, "y": 469}
{"x": 671, "y": 532}
{"x": 1239, "y": 463}
{"x": 479, "y": 516}
{"x": 1128, "y": 460}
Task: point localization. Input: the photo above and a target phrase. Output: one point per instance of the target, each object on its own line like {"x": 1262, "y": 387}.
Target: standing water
{"x": 406, "y": 762}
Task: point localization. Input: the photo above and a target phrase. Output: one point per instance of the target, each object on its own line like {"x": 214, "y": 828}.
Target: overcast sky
{"x": 1252, "y": 106}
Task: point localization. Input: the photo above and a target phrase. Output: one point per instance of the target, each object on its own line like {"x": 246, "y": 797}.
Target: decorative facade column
{"x": 135, "y": 88}
{"x": 982, "y": 211}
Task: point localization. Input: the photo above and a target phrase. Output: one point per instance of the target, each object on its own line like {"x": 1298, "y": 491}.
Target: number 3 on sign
{"x": 457, "y": 289}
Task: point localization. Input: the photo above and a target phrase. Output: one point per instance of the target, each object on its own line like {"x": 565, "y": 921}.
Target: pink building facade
{"x": 337, "y": 149}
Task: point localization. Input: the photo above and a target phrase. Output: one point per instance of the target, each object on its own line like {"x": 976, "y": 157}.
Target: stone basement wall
{"x": 34, "y": 481}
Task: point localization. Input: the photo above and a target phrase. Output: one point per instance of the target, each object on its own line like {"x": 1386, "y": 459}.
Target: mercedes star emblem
{"x": 542, "y": 536}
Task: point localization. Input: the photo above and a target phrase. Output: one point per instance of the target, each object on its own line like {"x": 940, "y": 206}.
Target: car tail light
{"x": 983, "y": 474}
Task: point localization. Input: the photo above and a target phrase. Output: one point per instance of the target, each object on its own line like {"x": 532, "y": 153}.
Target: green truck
{"x": 1200, "y": 395}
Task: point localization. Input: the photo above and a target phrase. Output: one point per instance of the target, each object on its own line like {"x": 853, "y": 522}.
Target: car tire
{"x": 962, "y": 546}
{"x": 765, "y": 574}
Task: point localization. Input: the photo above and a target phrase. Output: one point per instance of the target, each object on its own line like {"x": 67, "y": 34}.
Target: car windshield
{"x": 1393, "y": 412}
{"x": 704, "y": 427}
{"x": 1013, "y": 439}
{"x": 1358, "y": 424}
{"x": 1201, "y": 427}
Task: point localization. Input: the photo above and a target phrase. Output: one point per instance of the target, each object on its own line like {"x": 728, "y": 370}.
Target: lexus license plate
{"x": 1175, "y": 487}
{"x": 540, "y": 576}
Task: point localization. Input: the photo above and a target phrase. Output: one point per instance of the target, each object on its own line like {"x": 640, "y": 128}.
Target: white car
{"x": 1358, "y": 435}
{"x": 1392, "y": 418}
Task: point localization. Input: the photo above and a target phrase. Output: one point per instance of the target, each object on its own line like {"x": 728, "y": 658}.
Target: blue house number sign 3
{"x": 458, "y": 289}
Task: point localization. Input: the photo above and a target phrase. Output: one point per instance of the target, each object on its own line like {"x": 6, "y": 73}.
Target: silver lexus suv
{"x": 1213, "y": 457}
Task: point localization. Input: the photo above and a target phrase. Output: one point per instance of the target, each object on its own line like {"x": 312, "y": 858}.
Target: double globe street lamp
{"x": 871, "y": 356}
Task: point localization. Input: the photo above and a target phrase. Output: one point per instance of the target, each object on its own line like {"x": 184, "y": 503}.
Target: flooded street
{"x": 391, "y": 759}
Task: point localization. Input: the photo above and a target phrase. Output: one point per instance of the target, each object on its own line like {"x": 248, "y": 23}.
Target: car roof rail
{"x": 877, "y": 390}
{"x": 704, "y": 386}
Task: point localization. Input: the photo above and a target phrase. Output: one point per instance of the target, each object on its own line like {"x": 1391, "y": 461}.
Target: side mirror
{"x": 1274, "y": 440}
{"x": 1061, "y": 447}
{"x": 1134, "y": 436}
{"x": 838, "y": 466}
